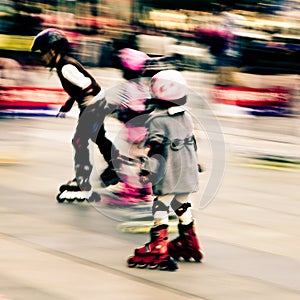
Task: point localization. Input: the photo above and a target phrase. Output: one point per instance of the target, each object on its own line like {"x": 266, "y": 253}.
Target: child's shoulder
{"x": 167, "y": 113}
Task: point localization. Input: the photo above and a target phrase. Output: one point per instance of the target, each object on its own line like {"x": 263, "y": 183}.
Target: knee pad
{"x": 180, "y": 208}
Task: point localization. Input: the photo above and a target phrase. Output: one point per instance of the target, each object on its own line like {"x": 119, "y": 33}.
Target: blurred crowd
{"x": 227, "y": 38}
{"x": 260, "y": 38}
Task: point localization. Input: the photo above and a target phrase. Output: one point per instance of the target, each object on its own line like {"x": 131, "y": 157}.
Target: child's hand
{"x": 144, "y": 176}
{"x": 61, "y": 115}
{"x": 200, "y": 169}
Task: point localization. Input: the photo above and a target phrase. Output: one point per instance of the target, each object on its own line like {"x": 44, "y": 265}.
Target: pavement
{"x": 249, "y": 231}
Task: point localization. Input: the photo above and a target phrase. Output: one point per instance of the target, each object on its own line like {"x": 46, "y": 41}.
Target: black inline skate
{"x": 71, "y": 192}
{"x": 154, "y": 254}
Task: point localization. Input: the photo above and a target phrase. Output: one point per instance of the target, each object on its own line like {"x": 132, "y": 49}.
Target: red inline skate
{"x": 186, "y": 245}
{"x": 154, "y": 254}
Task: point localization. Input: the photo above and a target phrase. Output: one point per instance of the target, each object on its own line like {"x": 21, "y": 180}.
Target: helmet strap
{"x": 54, "y": 60}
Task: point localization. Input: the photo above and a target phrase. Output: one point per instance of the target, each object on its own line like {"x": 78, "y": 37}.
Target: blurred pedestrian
{"x": 225, "y": 47}
{"x": 171, "y": 165}
{"x": 90, "y": 97}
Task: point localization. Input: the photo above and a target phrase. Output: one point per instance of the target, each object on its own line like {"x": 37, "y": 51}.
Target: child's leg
{"x": 186, "y": 245}
{"x": 155, "y": 253}
{"x": 83, "y": 167}
{"x": 160, "y": 209}
{"x": 110, "y": 154}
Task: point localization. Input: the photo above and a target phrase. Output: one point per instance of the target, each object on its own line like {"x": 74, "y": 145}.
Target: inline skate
{"x": 154, "y": 254}
{"x": 71, "y": 192}
{"x": 126, "y": 194}
{"x": 186, "y": 245}
{"x": 129, "y": 191}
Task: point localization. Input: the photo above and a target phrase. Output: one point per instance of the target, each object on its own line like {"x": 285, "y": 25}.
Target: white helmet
{"x": 168, "y": 85}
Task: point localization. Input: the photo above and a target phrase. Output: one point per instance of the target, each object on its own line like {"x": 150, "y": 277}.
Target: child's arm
{"x": 151, "y": 162}
{"x": 65, "y": 108}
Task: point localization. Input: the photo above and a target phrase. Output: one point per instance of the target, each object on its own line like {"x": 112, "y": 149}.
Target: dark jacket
{"x": 79, "y": 88}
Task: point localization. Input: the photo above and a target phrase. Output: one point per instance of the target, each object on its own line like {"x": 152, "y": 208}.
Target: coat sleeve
{"x": 156, "y": 143}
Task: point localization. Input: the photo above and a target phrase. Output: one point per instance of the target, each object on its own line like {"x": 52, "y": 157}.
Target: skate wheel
{"x": 186, "y": 258}
{"x": 70, "y": 200}
{"x": 163, "y": 266}
{"x": 198, "y": 257}
{"x": 60, "y": 200}
{"x": 153, "y": 266}
{"x": 130, "y": 262}
{"x": 142, "y": 265}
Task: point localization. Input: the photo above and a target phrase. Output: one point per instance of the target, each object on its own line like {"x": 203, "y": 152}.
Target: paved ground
{"x": 249, "y": 232}
{"x": 75, "y": 251}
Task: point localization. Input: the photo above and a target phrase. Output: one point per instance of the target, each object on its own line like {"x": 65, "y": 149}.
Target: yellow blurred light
{"x": 15, "y": 42}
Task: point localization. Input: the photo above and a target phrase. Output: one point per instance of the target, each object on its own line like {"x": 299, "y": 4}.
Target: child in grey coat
{"x": 172, "y": 167}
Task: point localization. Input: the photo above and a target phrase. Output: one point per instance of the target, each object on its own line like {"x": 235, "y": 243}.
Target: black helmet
{"x": 51, "y": 39}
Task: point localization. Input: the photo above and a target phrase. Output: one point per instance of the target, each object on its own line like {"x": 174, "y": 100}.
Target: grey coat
{"x": 176, "y": 170}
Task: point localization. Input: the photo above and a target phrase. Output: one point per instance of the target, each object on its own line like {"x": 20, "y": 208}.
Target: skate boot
{"x": 186, "y": 245}
{"x": 154, "y": 254}
{"x": 71, "y": 185}
{"x": 110, "y": 176}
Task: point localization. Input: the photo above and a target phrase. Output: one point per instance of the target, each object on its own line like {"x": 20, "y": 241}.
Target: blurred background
{"x": 250, "y": 44}
{"x": 264, "y": 35}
